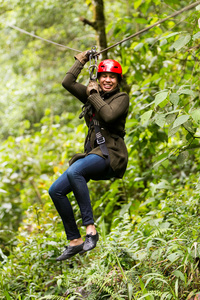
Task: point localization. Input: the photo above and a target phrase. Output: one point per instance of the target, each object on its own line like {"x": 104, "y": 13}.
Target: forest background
{"x": 149, "y": 220}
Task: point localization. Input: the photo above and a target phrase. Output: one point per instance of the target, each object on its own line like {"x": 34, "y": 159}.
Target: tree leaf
{"x": 181, "y": 42}
{"x": 161, "y": 158}
{"x": 146, "y": 116}
{"x": 196, "y": 36}
{"x": 160, "y": 119}
{"x": 160, "y": 97}
{"x": 196, "y": 115}
{"x": 183, "y": 156}
{"x": 189, "y": 126}
{"x": 169, "y": 35}
{"x": 137, "y": 3}
{"x": 172, "y": 131}
{"x": 2, "y": 255}
{"x": 180, "y": 120}
{"x": 174, "y": 98}
{"x": 170, "y": 118}
{"x": 163, "y": 184}
{"x": 172, "y": 257}
{"x": 138, "y": 47}
{"x": 187, "y": 92}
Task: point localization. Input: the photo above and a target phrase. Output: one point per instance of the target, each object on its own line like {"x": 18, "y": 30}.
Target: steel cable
{"x": 38, "y": 37}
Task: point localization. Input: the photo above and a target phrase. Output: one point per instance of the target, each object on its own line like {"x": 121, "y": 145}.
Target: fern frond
{"x": 159, "y": 232}
{"x": 52, "y": 297}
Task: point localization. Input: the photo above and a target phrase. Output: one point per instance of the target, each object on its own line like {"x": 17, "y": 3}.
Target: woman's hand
{"x": 83, "y": 57}
{"x": 92, "y": 87}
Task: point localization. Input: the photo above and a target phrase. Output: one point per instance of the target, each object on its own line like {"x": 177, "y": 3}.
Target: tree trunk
{"x": 99, "y": 25}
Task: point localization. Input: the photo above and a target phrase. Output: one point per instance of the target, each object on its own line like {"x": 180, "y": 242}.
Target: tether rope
{"x": 120, "y": 42}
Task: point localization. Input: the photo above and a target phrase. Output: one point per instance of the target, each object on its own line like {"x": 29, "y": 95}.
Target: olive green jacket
{"x": 110, "y": 110}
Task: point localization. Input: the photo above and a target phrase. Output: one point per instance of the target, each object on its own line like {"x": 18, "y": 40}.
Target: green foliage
{"x": 149, "y": 221}
{"x": 153, "y": 255}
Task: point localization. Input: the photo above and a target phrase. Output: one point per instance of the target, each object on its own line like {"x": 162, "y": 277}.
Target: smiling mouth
{"x": 107, "y": 86}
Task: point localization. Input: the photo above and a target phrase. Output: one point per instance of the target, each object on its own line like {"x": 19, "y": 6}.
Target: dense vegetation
{"x": 149, "y": 221}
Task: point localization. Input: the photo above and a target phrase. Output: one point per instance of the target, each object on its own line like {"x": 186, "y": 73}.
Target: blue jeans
{"x": 75, "y": 179}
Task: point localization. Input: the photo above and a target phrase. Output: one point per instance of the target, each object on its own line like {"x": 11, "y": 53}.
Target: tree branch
{"x": 88, "y": 22}
{"x": 98, "y": 24}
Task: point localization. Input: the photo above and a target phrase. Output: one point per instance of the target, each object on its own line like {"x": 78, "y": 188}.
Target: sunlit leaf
{"x": 160, "y": 97}
{"x": 173, "y": 130}
{"x": 174, "y": 98}
{"x": 160, "y": 119}
{"x": 189, "y": 126}
{"x": 137, "y": 3}
{"x": 187, "y": 92}
{"x": 196, "y": 115}
{"x": 168, "y": 35}
{"x": 138, "y": 47}
{"x": 180, "y": 120}
{"x": 196, "y": 36}
{"x": 181, "y": 42}
{"x": 179, "y": 274}
{"x": 161, "y": 158}
{"x": 146, "y": 116}
{"x": 164, "y": 184}
{"x": 172, "y": 257}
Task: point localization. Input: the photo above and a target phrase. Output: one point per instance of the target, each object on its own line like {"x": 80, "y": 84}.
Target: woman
{"x": 105, "y": 110}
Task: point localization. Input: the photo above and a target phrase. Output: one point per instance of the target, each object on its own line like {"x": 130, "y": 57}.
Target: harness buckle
{"x": 100, "y": 140}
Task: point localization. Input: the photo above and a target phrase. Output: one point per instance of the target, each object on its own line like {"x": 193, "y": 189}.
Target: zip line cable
{"x": 38, "y": 37}
{"x": 120, "y": 42}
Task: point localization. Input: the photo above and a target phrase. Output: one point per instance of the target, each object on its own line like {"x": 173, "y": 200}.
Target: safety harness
{"x": 100, "y": 140}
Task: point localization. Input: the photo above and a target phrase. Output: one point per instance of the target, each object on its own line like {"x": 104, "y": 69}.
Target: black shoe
{"x": 70, "y": 251}
{"x": 90, "y": 242}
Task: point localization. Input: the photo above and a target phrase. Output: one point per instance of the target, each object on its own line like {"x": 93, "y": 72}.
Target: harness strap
{"x": 101, "y": 141}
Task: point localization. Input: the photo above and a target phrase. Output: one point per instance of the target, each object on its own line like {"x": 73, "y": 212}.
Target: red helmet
{"x": 110, "y": 65}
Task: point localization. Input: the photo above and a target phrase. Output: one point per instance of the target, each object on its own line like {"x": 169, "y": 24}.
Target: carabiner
{"x": 93, "y": 72}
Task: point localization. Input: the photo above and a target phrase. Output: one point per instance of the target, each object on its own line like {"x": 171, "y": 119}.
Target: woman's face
{"x": 108, "y": 81}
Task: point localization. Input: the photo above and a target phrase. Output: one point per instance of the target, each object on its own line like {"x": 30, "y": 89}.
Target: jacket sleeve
{"x": 110, "y": 112}
{"x": 70, "y": 84}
